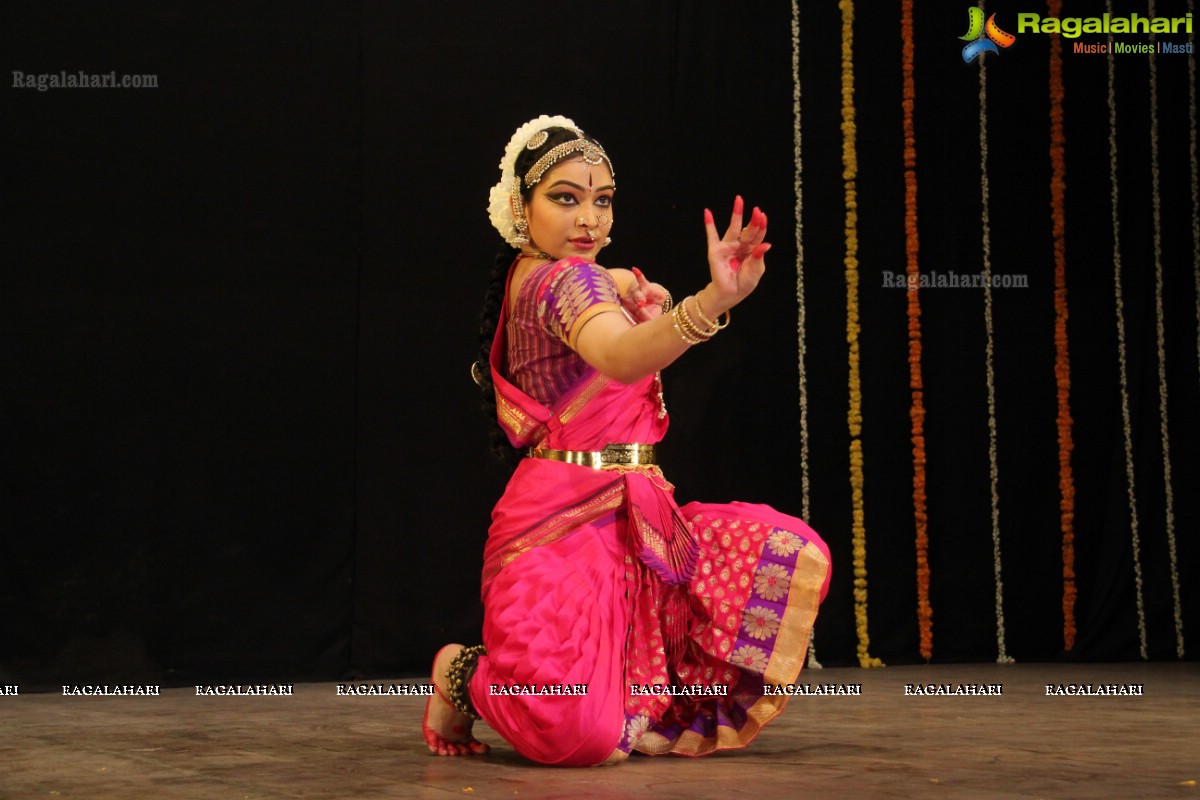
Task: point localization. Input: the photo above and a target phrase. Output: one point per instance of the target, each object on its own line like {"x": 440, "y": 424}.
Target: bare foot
{"x": 616, "y": 758}
{"x": 447, "y": 732}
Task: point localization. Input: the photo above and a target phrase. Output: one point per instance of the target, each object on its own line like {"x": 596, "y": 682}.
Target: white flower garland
{"x": 801, "y": 349}
{"x": 499, "y": 200}
{"x": 1160, "y": 330}
{"x": 993, "y": 462}
{"x": 1121, "y": 349}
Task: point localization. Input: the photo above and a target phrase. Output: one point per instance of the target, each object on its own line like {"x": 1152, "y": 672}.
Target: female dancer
{"x": 614, "y": 620}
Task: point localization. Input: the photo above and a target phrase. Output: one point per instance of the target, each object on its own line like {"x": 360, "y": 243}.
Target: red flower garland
{"x": 915, "y": 382}
{"x": 1062, "y": 363}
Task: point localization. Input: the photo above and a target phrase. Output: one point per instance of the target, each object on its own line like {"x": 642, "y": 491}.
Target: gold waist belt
{"x": 611, "y": 455}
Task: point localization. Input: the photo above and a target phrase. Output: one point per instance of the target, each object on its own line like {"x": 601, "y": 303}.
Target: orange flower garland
{"x": 916, "y": 384}
{"x": 854, "y": 416}
{"x": 1062, "y": 361}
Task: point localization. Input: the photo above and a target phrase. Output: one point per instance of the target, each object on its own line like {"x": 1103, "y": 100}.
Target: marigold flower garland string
{"x": 1119, "y": 297}
{"x": 994, "y": 469}
{"x": 801, "y": 348}
{"x": 1195, "y": 182}
{"x": 916, "y": 384}
{"x": 854, "y": 416}
{"x": 1160, "y": 329}
{"x": 1062, "y": 360}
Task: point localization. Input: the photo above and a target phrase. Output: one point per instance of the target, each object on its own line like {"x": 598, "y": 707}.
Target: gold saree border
{"x": 557, "y": 526}
{"x": 591, "y": 388}
{"x": 513, "y": 417}
{"x": 525, "y": 425}
{"x": 787, "y": 658}
{"x": 585, "y": 317}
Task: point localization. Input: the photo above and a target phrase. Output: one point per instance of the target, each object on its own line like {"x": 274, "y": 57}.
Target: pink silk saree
{"x": 601, "y": 594}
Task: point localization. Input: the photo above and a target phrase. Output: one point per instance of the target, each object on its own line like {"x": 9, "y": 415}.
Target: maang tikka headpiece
{"x": 505, "y": 207}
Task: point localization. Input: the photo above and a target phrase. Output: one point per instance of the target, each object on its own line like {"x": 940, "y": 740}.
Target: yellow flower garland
{"x": 854, "y": 416}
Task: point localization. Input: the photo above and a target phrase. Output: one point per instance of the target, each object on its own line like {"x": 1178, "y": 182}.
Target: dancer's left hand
{"x": 736, "y": 260}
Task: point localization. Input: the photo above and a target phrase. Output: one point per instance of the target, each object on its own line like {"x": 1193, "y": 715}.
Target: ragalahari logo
{"x": 983, "y": 38}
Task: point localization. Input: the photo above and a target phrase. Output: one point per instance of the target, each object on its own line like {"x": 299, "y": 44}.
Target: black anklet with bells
{"x": 462, "y": 666}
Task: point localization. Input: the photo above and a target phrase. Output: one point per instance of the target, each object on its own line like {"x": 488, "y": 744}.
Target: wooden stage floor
{"x": 883, "y": 743}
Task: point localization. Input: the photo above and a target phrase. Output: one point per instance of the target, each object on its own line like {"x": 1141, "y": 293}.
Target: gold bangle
{"x": 704, "y": 333}
{"x": 712, "y": 326}
{"x": 684, "y": 326}
{"x": 688, "y": 325}
{"x": 666, "y": 304}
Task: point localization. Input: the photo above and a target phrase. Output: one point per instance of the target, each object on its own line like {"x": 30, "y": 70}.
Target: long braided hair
{"x": 493, "y": 298}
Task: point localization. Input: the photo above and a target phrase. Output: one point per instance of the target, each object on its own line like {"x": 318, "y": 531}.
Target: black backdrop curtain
{"x": 239, "y": 440}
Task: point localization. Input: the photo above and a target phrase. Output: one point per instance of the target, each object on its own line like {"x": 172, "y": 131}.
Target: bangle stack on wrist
{"x": 687, "y": 328}
{"x": 713, "y": 326}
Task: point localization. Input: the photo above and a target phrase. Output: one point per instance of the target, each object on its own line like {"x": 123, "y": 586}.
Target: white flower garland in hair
{"x": 993, "y": 462}
{"x": 800, "y": 338}
{"x": 1160, "y": 328}
{"x": 499, "y": 200}
{"x": 1119, "y": 296}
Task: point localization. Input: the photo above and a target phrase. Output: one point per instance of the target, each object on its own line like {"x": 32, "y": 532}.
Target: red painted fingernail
{"x": 637, "y": 272}
{"x": 708, "y": 217}
{"x": 737, "y": 204}
{"x": 760, "y": 250}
